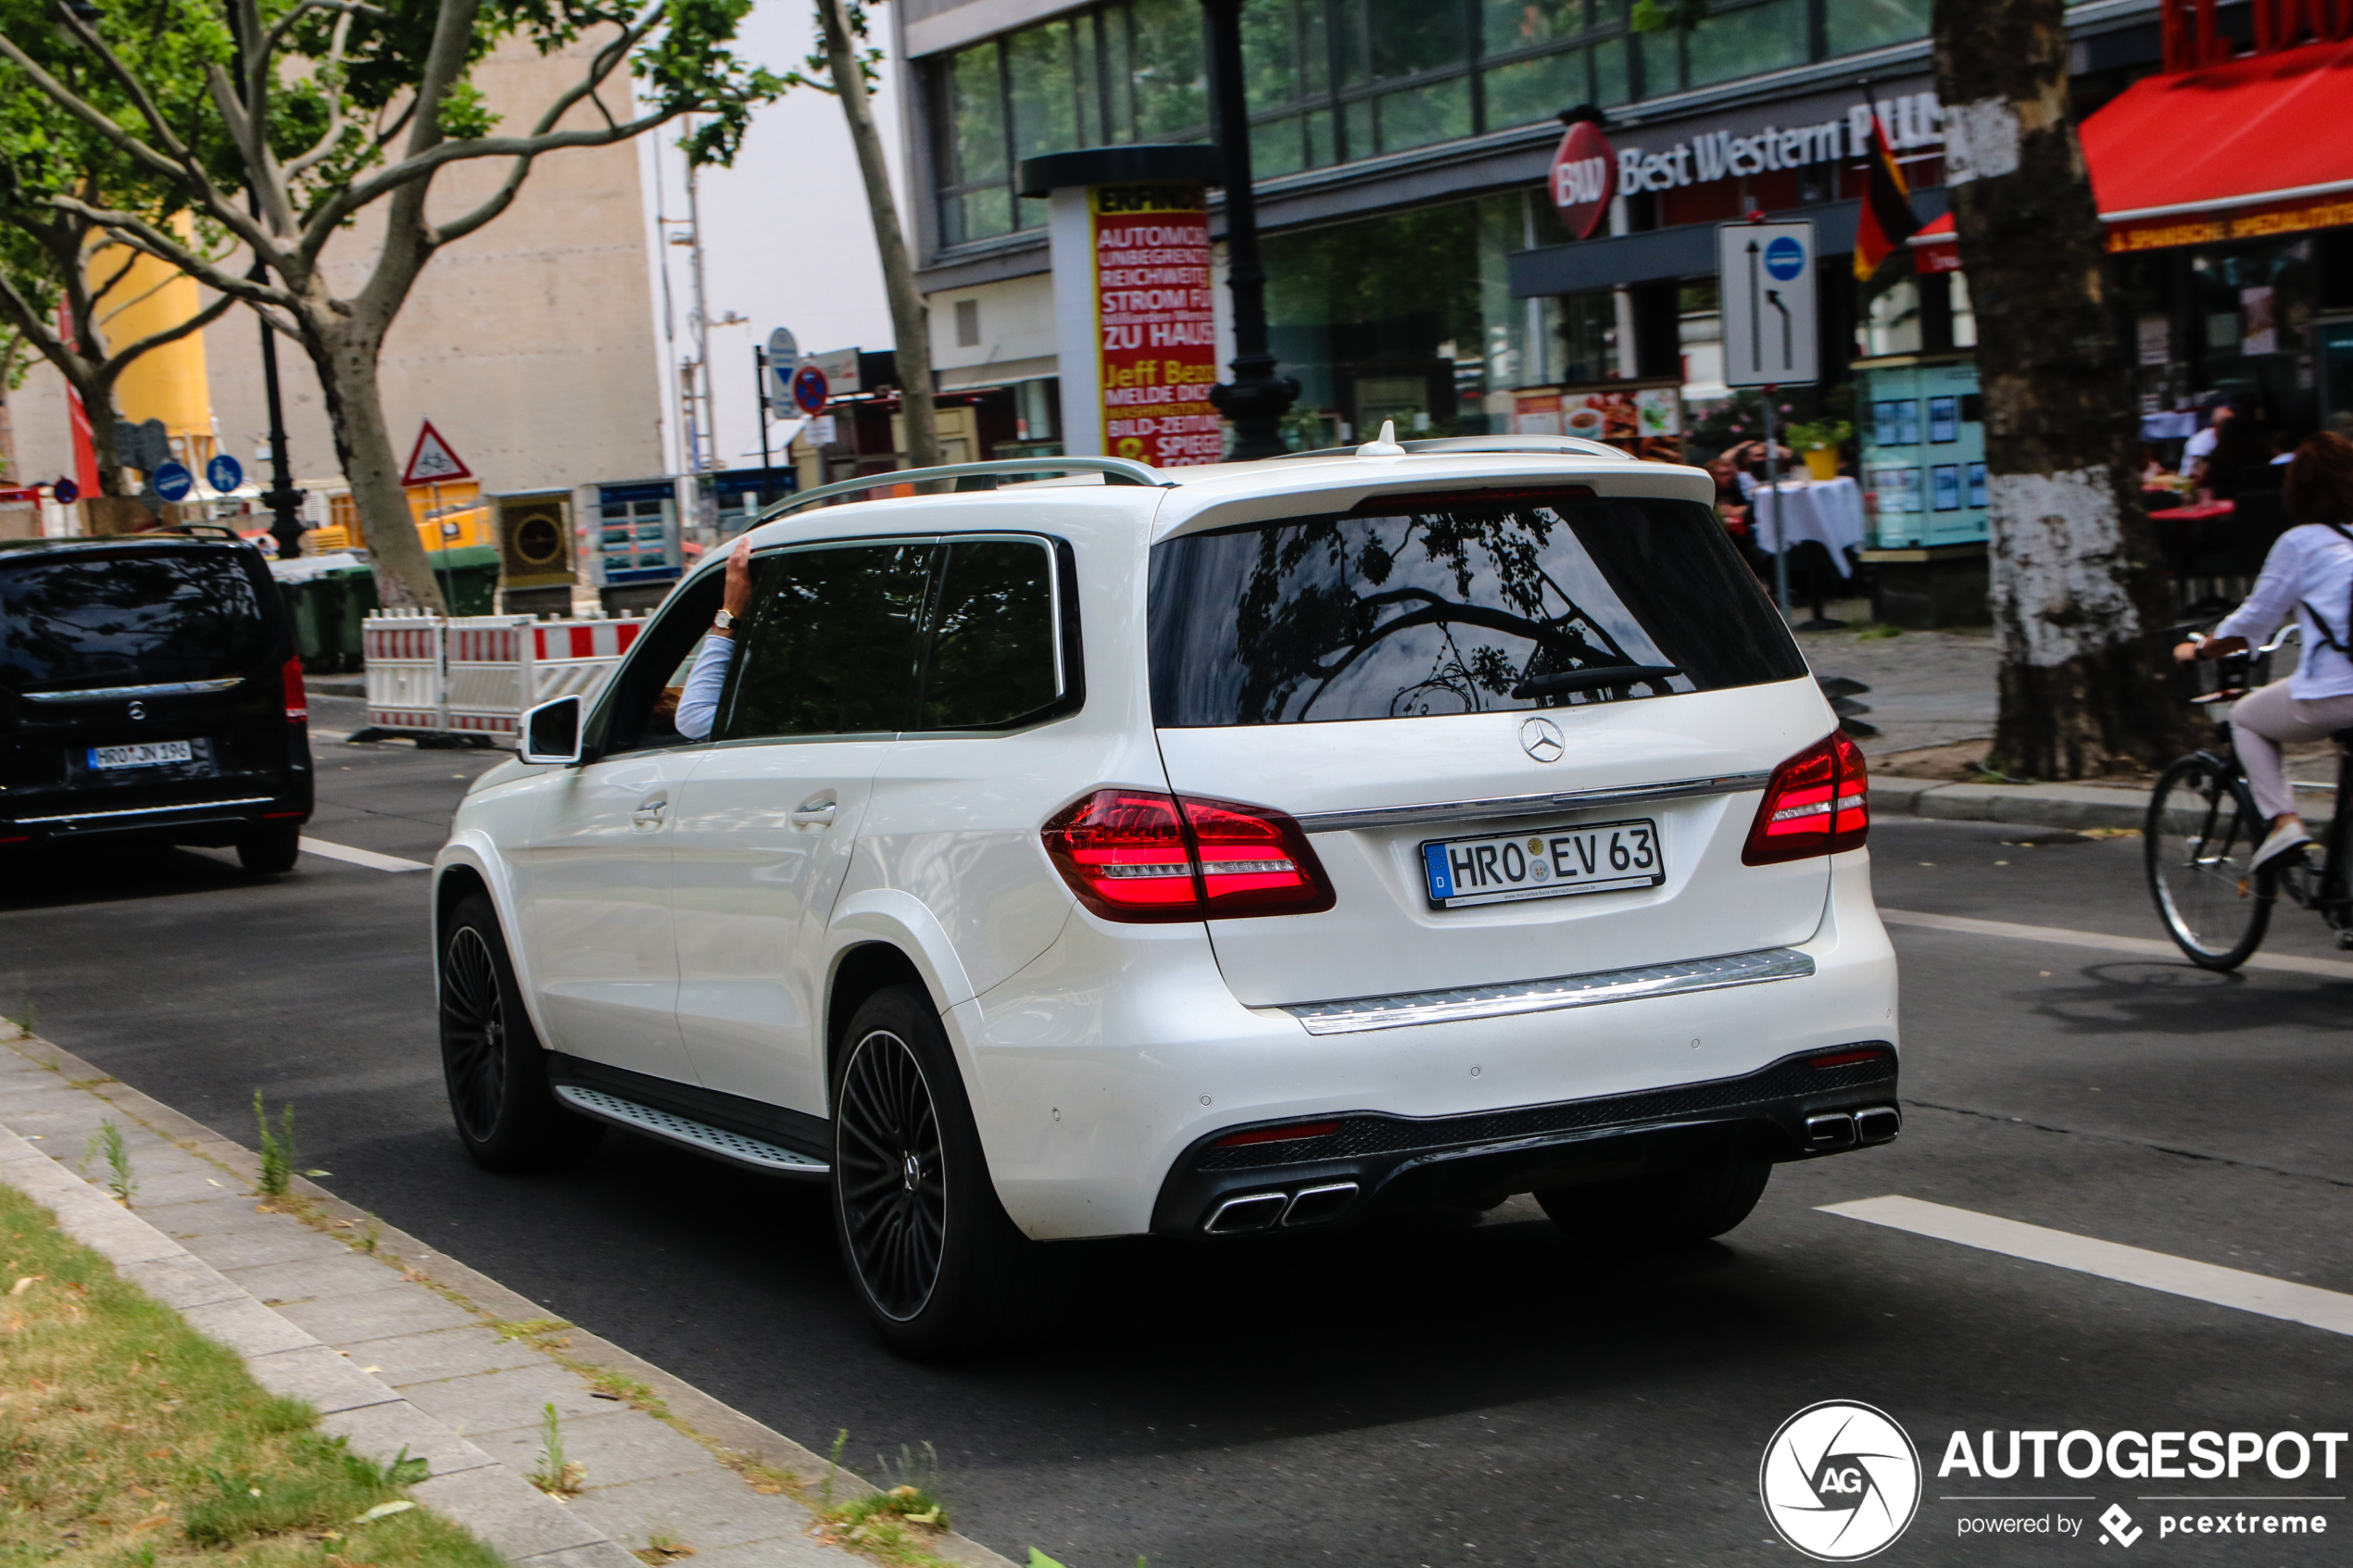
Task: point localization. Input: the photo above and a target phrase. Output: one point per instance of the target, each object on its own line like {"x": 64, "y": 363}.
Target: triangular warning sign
{"x": 433, "y": 462}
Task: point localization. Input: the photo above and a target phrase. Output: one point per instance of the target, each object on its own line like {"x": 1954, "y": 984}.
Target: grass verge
{"x": 130, "y": 1440}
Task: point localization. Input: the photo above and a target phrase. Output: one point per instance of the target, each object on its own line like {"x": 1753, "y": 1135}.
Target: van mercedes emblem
{"x": 138, "y": 710}
{"x": 1541, "y": 738}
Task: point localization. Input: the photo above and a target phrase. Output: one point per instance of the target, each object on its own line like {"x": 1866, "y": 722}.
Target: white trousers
{"x": 2267, "y": 718}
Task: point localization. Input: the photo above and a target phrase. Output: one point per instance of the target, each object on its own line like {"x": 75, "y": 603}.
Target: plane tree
{"x": 330, "y": 111}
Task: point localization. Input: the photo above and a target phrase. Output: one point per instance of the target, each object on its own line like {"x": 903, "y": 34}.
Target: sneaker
{"x": 2281, "y": 843}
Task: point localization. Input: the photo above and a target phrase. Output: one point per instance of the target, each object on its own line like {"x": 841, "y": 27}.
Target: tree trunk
{"x": 2080, "y": 604}
{"x": 909, "y": 321}
{"x": 346, "y": 358}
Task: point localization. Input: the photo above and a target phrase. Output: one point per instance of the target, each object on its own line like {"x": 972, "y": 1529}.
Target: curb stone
{"x": 2040, "y": 804}
{"x": 467, "y": 1364}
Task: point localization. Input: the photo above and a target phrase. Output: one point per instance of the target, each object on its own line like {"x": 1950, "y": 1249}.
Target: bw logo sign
{"x": 1840, "y": 1481}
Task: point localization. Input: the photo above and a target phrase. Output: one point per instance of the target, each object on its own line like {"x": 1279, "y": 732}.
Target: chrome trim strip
{"x": 150, "y": 811}
{"x": 1528, "y": 805}
{"x": 1360, "y": 1014}
{"x": 733, "y": 1148}
{"x": 172, "y": 688}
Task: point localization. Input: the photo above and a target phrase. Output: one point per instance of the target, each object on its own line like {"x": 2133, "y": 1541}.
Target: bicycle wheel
{"x": 2200, "y": 842}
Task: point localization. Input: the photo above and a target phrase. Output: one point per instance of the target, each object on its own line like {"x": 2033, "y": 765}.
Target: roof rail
{"x": 214, "y": 530}
{"x": 1116, "y": 470}
{"x": 1543, "y": 445}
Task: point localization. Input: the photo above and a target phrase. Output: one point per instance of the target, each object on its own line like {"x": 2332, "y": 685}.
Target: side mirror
{"x": 552, "y": 731}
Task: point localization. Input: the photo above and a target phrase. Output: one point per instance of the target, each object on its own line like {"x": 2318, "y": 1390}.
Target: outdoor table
{"x": 1827, "y": 511}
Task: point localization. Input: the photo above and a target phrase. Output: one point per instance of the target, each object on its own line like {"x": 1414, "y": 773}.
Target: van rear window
{"x": 1462, "y": 609}
{"x": 128, "y": 618}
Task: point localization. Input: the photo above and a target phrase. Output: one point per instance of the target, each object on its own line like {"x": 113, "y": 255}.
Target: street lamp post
{"x": 1256, "y": 399}
{"x": 281, "y": 496}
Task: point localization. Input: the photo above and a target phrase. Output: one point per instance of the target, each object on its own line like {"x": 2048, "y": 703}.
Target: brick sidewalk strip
{"x": 402, "y": 1347}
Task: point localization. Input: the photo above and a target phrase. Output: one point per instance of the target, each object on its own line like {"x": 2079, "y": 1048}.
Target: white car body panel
{"x": 1096, "y": 1053}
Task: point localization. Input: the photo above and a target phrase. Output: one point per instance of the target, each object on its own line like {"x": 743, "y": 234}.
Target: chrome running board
{"x": 733, "y": 1148}
{"x": 1359, "y": 1013}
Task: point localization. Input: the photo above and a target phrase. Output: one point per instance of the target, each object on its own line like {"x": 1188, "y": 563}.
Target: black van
{"x": 149, "y": 686}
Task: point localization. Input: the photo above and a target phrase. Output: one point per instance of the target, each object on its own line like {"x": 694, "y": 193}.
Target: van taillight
{"x": 297, "y": 695}
{"x": 1817, "y": 804}
{"x": 1138, "y": 855}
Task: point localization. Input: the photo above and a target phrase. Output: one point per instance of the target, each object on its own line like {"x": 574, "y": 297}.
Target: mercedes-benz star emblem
{"x": 138, "y": 710}
{"x": 1541, "y": 738}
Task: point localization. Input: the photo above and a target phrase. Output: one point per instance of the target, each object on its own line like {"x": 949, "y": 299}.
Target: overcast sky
{"x": 787, "y": 237}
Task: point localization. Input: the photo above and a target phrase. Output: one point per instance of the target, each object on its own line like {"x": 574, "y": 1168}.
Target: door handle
{"x": 648, "y": 815}
{"x": 815, "y": 812}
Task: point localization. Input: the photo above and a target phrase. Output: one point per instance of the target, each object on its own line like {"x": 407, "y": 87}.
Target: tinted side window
{"x": 1458, "y": 610}
{"x": 991, "y": 661}
{"x": 832, "y": 646}
{"x": 98, "y": 618}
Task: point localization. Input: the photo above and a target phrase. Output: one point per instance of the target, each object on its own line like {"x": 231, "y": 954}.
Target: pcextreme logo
{"x": 1841, "y": 1481}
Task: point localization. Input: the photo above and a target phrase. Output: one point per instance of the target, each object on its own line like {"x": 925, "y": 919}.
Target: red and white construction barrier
{"x": 478, "y": 674}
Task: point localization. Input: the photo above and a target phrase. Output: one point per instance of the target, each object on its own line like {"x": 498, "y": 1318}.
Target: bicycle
{"x": 2203, "y": 829}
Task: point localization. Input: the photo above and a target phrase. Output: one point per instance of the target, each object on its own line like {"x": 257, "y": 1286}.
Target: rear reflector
{"x": 297, "y": 695}
{"x": 1278, "y": 1135}
{"x": 1848, "y": 1059}
{"x": 1817, "y": 804}
{"x": 1138, "y": 855}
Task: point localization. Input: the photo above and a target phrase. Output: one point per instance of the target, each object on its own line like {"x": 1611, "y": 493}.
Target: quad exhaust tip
{"x": 1843, "y": 1129}
{"x": 1264, "y": 1210}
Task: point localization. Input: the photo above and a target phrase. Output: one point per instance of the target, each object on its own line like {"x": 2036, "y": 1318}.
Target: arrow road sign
{"x": 1768, "y": 292}
{"x": 172, "y": 480}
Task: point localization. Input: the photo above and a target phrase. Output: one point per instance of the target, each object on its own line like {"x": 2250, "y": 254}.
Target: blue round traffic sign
{"x": 1785, "y": 258}
{"x": 172, "y": 480}
{"x": 811, "y": 391}
{"x": 223, "y": 473}
{"x": 65, "y": 492}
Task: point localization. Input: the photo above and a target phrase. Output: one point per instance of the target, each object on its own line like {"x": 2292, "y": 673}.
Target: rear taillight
{"x": 1136, "y": 856}
{"x": 1817, "y": 804}
{"x": 297, "y": 697}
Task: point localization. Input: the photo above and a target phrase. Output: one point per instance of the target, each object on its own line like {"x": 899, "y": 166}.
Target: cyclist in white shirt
{"x": 2309, "y": 574}
{"x": 699, "y": 699}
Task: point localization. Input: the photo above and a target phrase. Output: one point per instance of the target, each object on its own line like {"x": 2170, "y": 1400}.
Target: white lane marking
{"x": 367, "y": 858}
{"x": 2247, "y": 1292}
{"x": 2063, "y": 937}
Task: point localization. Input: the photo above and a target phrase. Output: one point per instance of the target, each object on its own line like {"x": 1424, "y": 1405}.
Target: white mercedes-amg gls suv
{"x": 1209, "y": 853}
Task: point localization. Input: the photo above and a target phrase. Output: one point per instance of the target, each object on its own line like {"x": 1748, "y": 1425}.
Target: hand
{"x": 736, "y": 598}
{"x": 2185, "y": 653}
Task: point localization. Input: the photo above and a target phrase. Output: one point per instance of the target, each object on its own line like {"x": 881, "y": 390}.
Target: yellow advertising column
{"x": 167, "y": 383}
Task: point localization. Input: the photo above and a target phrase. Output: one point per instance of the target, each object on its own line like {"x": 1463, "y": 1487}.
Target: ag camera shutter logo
{"x": 1841, "y": 1481}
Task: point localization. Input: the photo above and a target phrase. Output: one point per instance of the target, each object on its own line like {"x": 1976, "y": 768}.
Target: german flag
{"x": 1886, "y": 220}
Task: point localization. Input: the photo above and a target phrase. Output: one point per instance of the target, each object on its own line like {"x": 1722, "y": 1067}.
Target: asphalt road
{"x": 1433, "y": 1393}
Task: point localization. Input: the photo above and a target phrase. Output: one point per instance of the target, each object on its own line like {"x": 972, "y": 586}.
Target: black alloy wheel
{"x": 507, "y": 1114}
{"x": 270, "y": 848}
{"x": 940, "y": 1268}
{"x": 474, "y": 1035}
{"x": 1657, "y": 1210}
{"x": 893, "y": 1180}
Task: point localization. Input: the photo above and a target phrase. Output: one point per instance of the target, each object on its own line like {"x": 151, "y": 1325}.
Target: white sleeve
{"x": 699, "y": 700}
{"x": 2273, "y": 599}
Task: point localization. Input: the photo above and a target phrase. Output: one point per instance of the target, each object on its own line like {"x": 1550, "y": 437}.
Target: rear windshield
{"x": 1460, "y": 609}
{"x": 128, "y": 619}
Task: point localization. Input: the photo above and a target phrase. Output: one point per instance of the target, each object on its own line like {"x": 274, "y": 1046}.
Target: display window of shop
{"x": 1331, "y": 82}
{"x": 1407, "y": 316}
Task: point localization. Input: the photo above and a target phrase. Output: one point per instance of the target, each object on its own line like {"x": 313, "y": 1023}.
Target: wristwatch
{"x": 723, "y": 622}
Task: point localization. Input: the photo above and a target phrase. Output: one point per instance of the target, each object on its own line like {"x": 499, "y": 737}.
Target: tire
{"x": 270, "y": 848}
{"x": 507, "y": 1115}
{"x": 938, "y": 1267}
{"x": 1652, "y": 1211}
{"x": 2198, "y": 844}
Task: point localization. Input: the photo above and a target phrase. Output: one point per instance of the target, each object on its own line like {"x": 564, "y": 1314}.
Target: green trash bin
{"x": 327, "y": 610}
{"x": 469, "y": 578}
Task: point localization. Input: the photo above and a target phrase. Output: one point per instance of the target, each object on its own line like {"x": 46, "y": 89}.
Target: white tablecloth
{"x": 1828, "y": 511}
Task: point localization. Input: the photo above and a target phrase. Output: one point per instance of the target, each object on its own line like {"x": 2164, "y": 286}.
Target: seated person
{"x": 693, "y": 707}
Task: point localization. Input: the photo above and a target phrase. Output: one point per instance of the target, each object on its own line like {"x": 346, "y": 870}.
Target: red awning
{"x": 2252, "y": 146}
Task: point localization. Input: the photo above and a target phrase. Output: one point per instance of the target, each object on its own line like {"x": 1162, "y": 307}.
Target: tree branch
{"x": 330, "y": 75}
{"x": 117, "y": 362}
{"x": 136, "y": 230}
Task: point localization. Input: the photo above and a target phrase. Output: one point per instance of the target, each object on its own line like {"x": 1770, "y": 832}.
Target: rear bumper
{"x": 1372, "y": 1163}
{"x": 61, "y": 819}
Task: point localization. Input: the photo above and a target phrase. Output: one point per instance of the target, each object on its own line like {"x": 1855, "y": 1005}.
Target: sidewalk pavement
{"x": 2037, "y": 805}
{"x": 399, "y": 1346}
